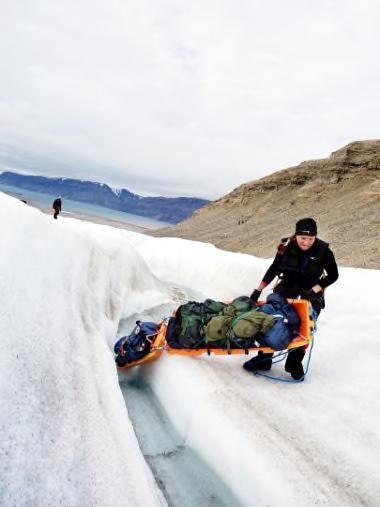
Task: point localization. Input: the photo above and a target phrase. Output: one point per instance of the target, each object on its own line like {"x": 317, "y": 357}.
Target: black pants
{"x": 56, "y": 213}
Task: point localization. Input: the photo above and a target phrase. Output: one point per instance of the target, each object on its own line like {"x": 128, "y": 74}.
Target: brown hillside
{"x": 341, "y": 192}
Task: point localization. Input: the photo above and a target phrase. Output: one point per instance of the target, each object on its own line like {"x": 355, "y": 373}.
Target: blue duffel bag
{"x": 286, "y": 326}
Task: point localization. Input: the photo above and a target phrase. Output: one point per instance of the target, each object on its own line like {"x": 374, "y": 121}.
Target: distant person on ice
{"x": 305, "y": 266}
{"x": 57, "y": 206}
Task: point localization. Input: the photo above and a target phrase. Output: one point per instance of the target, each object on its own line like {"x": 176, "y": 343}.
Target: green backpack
{"x": 191, "y": 321}
{"x": 188, "y": 327}
{"x": 249, "y": 324}
{"x": 241, "y": 304}
{"x": 223, "y": 330}
{"x": 218, "y": 329}
{"x": 211, "y": 308}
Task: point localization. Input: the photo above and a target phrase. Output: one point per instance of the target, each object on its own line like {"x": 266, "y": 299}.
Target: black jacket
{"x": 299, "y": 271}
{"x": 57, "y": 204}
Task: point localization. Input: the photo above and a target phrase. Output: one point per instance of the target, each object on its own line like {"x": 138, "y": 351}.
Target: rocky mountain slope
{"x": 167, "y": 209}
{"x": 341, "y": 192}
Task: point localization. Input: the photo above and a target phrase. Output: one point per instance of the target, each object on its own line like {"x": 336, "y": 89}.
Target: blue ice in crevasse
{"x": 183, "y": 477}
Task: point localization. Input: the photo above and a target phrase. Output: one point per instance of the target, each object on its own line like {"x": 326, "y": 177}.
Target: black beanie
{"x": 306, "y": 227}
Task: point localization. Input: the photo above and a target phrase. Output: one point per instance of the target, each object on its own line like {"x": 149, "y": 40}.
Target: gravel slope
{"x": 341, "y": 192}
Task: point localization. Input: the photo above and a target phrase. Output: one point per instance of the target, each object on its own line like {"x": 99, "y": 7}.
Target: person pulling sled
{"x": 305, "y": 266}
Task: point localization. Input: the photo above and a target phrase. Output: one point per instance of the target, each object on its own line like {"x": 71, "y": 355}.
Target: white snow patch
{"x": 116, "y": 191}
{"x": 65, "y": 434}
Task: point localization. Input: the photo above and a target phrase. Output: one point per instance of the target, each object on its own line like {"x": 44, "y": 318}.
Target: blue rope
{"x": 314, "y": 316}
{"x": 288, "y": 381}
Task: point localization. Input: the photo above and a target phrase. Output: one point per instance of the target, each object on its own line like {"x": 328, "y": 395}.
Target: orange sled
{"x": 302, "y": 307}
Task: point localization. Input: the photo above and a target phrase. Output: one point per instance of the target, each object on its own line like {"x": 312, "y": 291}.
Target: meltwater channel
{"x": 183, "y": 477}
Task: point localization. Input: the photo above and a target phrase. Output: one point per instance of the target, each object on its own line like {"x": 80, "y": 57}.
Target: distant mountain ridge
{"x": 166, "y": 209}
{"x": 342, "y": 192}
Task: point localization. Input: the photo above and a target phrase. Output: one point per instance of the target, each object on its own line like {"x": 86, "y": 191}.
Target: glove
{"x": 316, "y": 299}
{"x": 307, "y": 294}
{"x": 310, "y": 294}
{"x": 255, "y": 295}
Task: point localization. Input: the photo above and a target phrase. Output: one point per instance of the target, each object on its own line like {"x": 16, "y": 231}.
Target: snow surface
{"x": 69, "y": 288}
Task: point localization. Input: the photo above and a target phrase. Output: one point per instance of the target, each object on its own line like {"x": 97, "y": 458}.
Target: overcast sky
{"x": 177, "y": 97}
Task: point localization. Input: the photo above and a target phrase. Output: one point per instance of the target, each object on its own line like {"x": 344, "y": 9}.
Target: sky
{"x": 184, "y": 98}
{"x": 66, "y": 435}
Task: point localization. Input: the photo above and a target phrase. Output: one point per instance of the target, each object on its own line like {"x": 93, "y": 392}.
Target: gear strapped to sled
{"x": 158, "y": 342}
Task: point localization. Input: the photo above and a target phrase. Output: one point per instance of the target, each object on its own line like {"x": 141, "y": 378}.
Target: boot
{"x": 293, "y": 363}
{"x": 262, "y": 362}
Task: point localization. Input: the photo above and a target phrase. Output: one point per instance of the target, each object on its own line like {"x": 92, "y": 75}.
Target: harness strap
{"x": 239, "y": 317}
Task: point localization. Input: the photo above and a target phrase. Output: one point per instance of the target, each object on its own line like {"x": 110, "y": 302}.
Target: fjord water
{"x": 43, "y": 200}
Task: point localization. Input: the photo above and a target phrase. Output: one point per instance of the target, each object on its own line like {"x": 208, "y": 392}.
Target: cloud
{"x": 189, "y": 98}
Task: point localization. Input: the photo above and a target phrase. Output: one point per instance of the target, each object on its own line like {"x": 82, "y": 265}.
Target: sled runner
{"x": 157, "y": 342}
